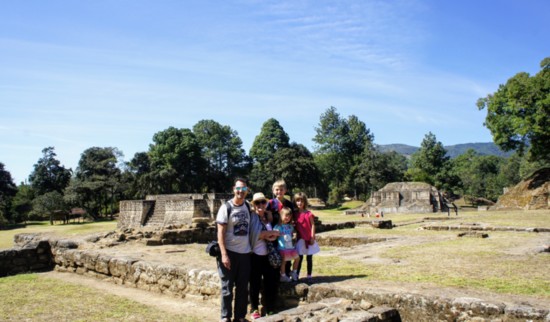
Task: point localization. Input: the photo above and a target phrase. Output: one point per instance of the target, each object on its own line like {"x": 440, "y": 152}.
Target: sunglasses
{"x": 261, "y": 202}
{"x": 241, "y": 188}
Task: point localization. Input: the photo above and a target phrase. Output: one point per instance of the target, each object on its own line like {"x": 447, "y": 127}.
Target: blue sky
{"x": 79, "y": 74}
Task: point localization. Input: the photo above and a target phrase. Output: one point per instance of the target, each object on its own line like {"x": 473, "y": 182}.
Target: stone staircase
{"x": 155, "y": 218}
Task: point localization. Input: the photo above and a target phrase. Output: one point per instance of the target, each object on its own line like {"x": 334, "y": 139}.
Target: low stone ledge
{"x": 33, "y": 256}
{"x": 414, "y": 307}
{"x": 473, "y": 234}
{"x": 149, "y": 276}
{"x": 335, "y": 309}
{"x": 346, "y": 241}
{"x": 483, "y": 228}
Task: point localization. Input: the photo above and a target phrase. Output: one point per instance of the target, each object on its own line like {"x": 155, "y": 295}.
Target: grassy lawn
{"x": 46, "y": 299}
{"x": 73, "y": 229}
{"x": 506, "y": 262}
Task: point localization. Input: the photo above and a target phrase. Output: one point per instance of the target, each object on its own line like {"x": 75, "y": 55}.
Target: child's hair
{"x": 284, "y": 212}
{"x": 301, "y": 196}
{"x": 279, "y": 184}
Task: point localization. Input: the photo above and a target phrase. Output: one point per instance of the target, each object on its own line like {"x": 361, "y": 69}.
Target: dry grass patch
{"x": 29, "y": 297}
{"x": 6, "y": 236}
{"x": 505, "y": 262}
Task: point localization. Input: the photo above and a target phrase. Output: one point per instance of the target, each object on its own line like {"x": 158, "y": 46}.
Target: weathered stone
{"x": 405, "y": 197}
{"x": 102, "y": 264}
{"x": 121, "y": 266}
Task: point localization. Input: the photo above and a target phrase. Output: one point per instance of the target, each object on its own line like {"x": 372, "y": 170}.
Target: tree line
{"x": 345, "y": 160}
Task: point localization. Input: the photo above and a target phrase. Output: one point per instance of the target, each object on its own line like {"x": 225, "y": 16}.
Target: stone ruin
{"x": 531, "y": 193}
{"x": 406, "y": 197}
{"x": 162, "y": 211}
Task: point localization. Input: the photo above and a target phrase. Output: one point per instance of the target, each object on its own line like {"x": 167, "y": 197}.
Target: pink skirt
{"x": 288, "y": 254}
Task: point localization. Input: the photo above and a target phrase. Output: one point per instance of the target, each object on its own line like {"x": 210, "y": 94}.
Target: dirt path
{"x": 200, "y": 309}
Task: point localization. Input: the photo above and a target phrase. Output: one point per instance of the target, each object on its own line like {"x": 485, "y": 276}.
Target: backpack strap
{"x": 229, "y": 207}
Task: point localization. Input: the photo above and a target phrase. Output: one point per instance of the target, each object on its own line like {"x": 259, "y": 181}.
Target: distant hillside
{"x": 487, "y": 148}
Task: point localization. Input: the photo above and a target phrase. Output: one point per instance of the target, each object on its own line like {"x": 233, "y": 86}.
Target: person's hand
{"x": 226, "y": 262}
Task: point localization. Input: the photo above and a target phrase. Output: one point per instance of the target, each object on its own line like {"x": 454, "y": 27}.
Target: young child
{"x": 278, "y": 202}
{"x": 305, "y": 225}
{"x": 286, "y": 246}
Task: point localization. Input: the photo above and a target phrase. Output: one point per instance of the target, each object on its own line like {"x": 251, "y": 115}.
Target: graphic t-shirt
{"x": 238, "y": 223}
{"x": 284, "y": 241}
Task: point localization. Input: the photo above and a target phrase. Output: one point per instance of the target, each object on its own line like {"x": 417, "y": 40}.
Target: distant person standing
{"x": 305, "y": 225}
{"x": 234, "y": 263}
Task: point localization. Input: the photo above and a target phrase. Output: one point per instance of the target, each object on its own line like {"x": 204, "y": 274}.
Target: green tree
{"x": 176, "y": 162}
{"x": 378, "y": 169}
{"x": 339, "y": 145}
{"x": 429, "y": 163}
{"x": 272, "y": 137}
{"x": 481, "y": 175}
{"x": 22, "y": 202}
{"x": 48, "y": 174}
{"x": 48, "y": 204}
{"x": 222, "y": 149}
{"x": 296, "y": 165}
{"x": 509, "y": 172}
{"x": 518, "y": 113}
{"x": 8, "y": 190}
{"x": 96, "y": 182}
{"x": 138, "y": 175}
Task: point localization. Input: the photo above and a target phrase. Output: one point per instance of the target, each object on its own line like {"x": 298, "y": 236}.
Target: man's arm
{"x": 221, "y": 241}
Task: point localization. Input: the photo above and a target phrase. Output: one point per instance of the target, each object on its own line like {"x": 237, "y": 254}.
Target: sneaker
{"x": 255, "y": 315}
{"x": 285, "y": 278}
{"x": 309, "y": 279}
{"x": 294, "y": 276}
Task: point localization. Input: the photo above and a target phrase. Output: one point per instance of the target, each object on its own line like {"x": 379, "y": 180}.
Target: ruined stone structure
{"x": 159, "y": 211}
{"x": 531, "y": 193}
{"x": 406, "y": 197}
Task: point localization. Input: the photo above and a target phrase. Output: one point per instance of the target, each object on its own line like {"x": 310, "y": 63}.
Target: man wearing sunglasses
{"x": 234, "y": 263}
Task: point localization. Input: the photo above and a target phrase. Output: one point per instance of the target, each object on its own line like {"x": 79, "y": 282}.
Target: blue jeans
{"x": 237, "y": 277}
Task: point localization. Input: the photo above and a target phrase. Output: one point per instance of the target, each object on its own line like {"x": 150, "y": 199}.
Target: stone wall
{"x": 159, "y": 211}
{"x": 135, "y": 213}
{"x": 155, "y": 277}
{"x": 32, "y": 257}
{"x": 405, "y": 197}
{"x": 417, "y": 307}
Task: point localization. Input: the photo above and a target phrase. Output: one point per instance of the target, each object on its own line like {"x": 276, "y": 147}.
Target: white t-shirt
{"x": 238, "y": 223}
{"x": 261, "y": 248}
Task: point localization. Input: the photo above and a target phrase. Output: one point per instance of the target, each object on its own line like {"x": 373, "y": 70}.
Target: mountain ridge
{"x": 482, "y": 148}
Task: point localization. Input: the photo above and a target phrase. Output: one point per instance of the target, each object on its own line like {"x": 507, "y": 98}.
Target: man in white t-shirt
{"x": 234, "y": 263}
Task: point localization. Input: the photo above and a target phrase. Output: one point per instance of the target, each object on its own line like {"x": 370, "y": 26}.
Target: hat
{"x": 258, "y": 196}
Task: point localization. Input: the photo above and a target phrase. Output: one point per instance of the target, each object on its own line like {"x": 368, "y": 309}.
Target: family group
{"x": 262, "y": 244}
